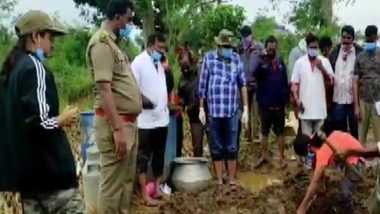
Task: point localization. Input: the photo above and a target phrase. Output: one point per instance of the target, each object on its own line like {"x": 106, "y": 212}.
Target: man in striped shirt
{"x": 221, "y": 78}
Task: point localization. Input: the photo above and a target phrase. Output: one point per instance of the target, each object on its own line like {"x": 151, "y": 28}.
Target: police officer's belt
{"x": 125, "y": 117}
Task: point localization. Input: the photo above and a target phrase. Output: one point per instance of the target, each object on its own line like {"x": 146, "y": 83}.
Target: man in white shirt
{"x": 308, "y": 86}
{"x": 154, "y": 119}
{"x": 343, "y": 60}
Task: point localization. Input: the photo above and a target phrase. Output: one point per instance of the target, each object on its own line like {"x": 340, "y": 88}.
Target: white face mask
{"x": 312, "y": 52}
{"x": 39, "y": 51}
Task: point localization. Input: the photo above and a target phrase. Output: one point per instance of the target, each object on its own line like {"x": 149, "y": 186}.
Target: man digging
{"x": 324, "y": 149}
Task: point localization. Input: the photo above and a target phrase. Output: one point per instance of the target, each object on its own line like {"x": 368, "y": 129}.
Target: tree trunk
{"x": 148, "y": 20}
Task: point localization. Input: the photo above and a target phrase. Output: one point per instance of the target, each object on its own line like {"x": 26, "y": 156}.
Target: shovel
{"x": 348, "y": 166}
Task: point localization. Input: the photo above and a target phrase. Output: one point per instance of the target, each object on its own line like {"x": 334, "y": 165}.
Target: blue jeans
{"x": 224, "y": 136}
{"x": 343, "y": 113}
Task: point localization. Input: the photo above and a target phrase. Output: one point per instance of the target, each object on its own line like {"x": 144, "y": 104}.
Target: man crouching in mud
{"x": 324, "y": 154}
{"x": 370, "y": 152}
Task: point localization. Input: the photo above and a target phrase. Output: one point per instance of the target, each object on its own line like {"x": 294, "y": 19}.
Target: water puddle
{"x": 256, "y": 182}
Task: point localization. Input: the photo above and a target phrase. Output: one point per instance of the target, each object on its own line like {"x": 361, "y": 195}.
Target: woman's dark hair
{"x": 300, "y": 144}
{"x": 14, "y": 55}
{"x": 118, "y": 7}
{"x": 316, "y": 141}
{"x": 10, "y": 61}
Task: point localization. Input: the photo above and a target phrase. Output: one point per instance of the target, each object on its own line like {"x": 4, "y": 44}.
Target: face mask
{"x": 312, "y": 52}
{"x": 227, "y": 53}
{"x": 370, "y": 46}
{"x": 40, "y": 54}
{"x": 125, "y": 32}
{"x": 156, "y": 56}
{"x": 39, "y": 51}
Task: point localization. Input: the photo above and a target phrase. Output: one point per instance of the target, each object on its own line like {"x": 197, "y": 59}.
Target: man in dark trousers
{"x": 342, "y": 60}
{"x": 272, "y": 97}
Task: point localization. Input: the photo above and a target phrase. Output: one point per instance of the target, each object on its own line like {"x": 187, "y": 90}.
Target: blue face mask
{"x": 156, "y": 56}
{"x": 226, "y": 53}
{"x": 40, "y": 54}
{"x": 370, "y": 46}
{"x": 312, "y": 52}
{"x": 125, "y": 32}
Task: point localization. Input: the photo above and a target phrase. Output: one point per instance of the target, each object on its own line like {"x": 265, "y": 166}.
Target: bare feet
{"x": 281, "y": 164}
{"x": 299, "y": 161}
{"x": 161, "y": 195}
{"x": 263, "y": 159}
{"x": 150, "y": 202}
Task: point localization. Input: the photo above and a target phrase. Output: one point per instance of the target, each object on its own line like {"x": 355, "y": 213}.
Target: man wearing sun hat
{"x": 221, "y": 78}
{"x": 40, "y": 162}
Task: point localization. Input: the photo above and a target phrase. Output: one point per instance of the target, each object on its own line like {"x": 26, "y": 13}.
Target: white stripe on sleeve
{"x": 46, "y": 122}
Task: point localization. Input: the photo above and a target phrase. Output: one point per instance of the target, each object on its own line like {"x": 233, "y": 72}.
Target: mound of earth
{"x": 278, "y": 199}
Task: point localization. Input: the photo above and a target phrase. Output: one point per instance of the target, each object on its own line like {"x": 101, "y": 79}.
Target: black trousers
{"x": 179, "y": 136}
{"x": 152, "y": 144}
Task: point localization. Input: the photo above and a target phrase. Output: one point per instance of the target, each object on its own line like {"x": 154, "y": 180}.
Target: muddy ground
{"x": 261, "y": 191}
{"x": 254, "y": 196}
{"x": 277, "y": 199}
{"x": 260, "y": 197}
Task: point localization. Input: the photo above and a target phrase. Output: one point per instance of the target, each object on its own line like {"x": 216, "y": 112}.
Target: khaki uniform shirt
{"x": 367, "y": 68}
{"x": 108, "y": 63}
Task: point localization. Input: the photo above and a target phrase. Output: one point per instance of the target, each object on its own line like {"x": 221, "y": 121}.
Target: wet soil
{"x": 275, "y": 199}
{"x": 266, "y": 190}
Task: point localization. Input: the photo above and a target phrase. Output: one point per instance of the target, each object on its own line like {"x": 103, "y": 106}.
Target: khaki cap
{"x": 36, "y": 20}
{"x": 224, "y": 38}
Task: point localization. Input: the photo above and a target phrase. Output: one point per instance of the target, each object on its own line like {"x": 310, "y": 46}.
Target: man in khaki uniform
{"x": 117, "y": 104}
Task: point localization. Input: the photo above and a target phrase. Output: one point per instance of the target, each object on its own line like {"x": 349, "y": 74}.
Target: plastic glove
{"x": 202, "y": 116}
{"x": 244, "y": 117}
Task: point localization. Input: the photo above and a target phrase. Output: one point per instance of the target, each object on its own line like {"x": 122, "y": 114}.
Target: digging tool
{"x": 348, "y": 166}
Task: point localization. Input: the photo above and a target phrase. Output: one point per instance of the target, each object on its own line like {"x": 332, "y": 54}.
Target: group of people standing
{"x": 249, "y": 82}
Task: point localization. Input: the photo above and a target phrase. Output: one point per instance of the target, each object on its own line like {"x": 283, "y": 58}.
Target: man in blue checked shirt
{"x": 220, "y": 80}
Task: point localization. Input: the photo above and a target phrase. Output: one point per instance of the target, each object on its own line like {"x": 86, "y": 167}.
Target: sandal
{"x": 233, "y": 185}
{"x": 150, "y": 202}
{"x": 260, "y": 162}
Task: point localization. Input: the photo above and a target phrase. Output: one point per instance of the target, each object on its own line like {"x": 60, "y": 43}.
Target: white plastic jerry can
{"x": 91, "y": 172}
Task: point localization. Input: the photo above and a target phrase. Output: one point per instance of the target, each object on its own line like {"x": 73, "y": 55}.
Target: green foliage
{"x": 6, "y": 7}
{"x": 222, "y": 17}
{"x": 286, "y": 42}
{"x": 332, "y": 31}
{"x": 264, "y": 27}
{"x": 69, "y": 66}
{"x": 68, "y": 63}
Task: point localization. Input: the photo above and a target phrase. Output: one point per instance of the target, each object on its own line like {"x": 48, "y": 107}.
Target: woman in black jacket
{"x": 40, "y": 163}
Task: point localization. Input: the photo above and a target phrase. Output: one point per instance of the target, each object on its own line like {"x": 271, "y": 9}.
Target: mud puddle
{"x": 257, "y": 182}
